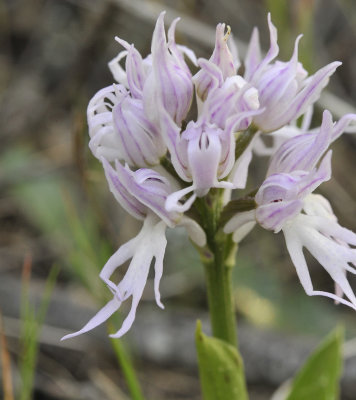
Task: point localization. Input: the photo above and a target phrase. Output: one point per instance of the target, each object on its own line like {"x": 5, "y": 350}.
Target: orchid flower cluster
{"x": 167, "y": 137}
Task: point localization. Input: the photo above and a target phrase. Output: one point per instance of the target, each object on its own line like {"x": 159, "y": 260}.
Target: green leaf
{"x": 319, "y": 377}
{"x": 220, "y": 368}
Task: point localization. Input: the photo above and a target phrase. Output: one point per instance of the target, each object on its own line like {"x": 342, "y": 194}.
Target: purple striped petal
{"x": 170, "y": 82}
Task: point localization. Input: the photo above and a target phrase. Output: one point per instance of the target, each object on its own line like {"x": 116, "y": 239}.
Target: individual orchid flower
{"x": 292, "y": 130}
{"x": 122, "y": 118}
{"x": 120, "y": 130}
{"x": 204, "y": 153}
{"x": 284, "y": 202}
{"x": 143, "y": 194}
{"x": 285, "y": 90}
{"x": 170, "y": 78}
{"x": 222, "y": 64}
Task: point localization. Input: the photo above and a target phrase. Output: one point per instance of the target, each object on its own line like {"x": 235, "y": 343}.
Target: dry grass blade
{"x": 6, "y": 365}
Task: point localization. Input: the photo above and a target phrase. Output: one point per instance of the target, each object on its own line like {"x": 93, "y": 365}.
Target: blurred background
{"x": 60, "y": 223}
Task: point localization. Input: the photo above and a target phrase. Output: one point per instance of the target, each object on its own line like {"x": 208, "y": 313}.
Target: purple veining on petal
{"x": 127, "y": 201}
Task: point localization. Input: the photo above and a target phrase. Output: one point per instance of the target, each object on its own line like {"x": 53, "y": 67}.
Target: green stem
{"x": 219, "y": 289}
{"x": 218, "y": 259}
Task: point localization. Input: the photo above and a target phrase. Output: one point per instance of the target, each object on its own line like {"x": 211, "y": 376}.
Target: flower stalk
{"x": 218, "y": 258}
{"x": 220, "y": 298}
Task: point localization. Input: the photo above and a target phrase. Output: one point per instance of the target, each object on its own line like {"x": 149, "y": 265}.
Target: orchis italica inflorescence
{"x": 159, "y": 164}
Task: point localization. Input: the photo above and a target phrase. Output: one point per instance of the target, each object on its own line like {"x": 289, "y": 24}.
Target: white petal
{"x": 109, "y": 309}
{"x": 239, "y": 220}
{"x": 172, "y": 202}
{"x": 124, "y": 252}
{"x": 331, "y": 254}
{"x": 195, "y": 231}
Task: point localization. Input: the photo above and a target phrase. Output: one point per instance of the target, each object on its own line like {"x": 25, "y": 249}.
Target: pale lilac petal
{"x": 343, "y": 125}
{"x": 310, "y": 182}
{"x": 303, "y": 151}
{"x": 271, "y": 54}
{"x": 189, "y": 53}
{"x": 204, "y": 156}
{"x": 235, "y": 123}
{"x": 234, "y": 52}
{"x": 222, "y": 56}
{"x": 232, "y": 106}
{"x": 172, "y": 82}
{"x": 140, "y": 140}
{"x": 135, "y": 71}
{"x": 307, "y": 119}
{"x": 274, "y": 216}
{"x": 307, "y": 96}
{"x": 121, "y": 194}
{"x": 105, "y": 313}
{"x": 119, "y": 129}
{"x": 179, "y": 51}
{"x": 220, "y": 66}
{"x": 177, "y": 148}
{"x": 278, "y": 80}
{"x": 99, "y": 106}
{"x": 253, "y": 56}
{"x": 239, "y": 173}
{"x": 208, "y": 78}
{"x": 151, "y": 193}
{"x": 279, "y": 187}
